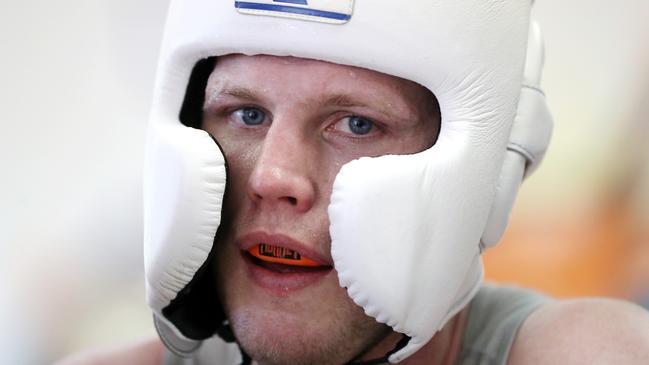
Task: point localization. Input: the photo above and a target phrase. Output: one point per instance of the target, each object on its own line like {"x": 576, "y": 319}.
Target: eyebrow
{"x": 342, "y": 101}
{"x": 237, "y": 92}
{"x": 345, "y": 101}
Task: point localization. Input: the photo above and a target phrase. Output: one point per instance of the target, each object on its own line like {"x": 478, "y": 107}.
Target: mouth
{"x": 283, "y": 260}
{"x": 282, "y": 270}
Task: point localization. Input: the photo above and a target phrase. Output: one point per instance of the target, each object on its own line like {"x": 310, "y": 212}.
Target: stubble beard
{"x": 332, "y": 340}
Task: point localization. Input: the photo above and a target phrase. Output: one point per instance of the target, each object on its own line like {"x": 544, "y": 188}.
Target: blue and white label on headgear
{"x": 326, "y": 11}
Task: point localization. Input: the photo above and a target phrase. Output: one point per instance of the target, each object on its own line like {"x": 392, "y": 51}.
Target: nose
{"x": 282, "y": 174}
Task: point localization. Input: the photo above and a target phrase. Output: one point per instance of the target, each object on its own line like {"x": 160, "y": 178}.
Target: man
{"x": 325, "y": 199}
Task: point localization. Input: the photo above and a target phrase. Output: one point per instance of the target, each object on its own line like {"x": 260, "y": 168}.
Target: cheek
{"x": 416, "y": 140}
{"x": 235, "y": 199}
{"x": 329, "y": 164}
{"x": 240, "y": 150}
{"x": 240, "y": 159}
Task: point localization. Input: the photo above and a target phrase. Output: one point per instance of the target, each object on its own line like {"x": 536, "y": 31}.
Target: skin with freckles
{"x": 286, "y": 126}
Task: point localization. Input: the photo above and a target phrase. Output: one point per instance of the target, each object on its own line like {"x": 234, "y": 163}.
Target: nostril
{"x": 292, "y": 200}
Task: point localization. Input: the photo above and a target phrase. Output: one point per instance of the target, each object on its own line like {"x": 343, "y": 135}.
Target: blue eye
{"x": 360, "y": 125}
{"x": 251, "y": 116}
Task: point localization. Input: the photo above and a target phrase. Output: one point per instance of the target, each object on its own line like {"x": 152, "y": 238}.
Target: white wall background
{"x": 76, "y": 79}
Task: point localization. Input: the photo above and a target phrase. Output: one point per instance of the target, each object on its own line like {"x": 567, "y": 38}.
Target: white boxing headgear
{"x": 424, "y": 217}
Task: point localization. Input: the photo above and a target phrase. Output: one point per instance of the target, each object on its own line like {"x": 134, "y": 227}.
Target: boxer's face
{"x": 286, "y": 126}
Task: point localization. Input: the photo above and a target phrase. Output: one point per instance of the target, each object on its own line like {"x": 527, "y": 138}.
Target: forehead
{"x": 260, "y": 64}
{"x": 301, "y": 78}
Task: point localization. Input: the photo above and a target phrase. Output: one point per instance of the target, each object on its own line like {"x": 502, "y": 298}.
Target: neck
{"x": 442, "y": 349}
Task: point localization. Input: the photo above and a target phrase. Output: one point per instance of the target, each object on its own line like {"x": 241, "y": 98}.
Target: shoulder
{"x": 143, "y": 352}
{"x": 583, "y": 331}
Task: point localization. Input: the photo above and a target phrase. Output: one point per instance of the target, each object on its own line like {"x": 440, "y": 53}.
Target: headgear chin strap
{"x": 423, "y": 217}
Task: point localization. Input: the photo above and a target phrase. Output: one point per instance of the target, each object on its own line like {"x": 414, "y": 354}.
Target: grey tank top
{"x": 494, "y": 317}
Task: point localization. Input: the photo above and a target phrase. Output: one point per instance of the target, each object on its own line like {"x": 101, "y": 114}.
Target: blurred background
{"x": 76, "y": 82}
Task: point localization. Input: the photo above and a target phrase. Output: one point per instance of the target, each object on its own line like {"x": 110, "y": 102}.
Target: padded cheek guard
{"x": 424, "y": 217}
{"x": 427, "y": 254}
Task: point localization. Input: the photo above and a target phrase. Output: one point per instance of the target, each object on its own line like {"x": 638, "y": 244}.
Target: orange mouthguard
{"x": 280, "y": 255}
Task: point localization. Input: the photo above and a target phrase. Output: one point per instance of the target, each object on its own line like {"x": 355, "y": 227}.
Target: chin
{"x": 286, "y": 333}
{"x": 283, "y": 341}
{"x": 270, "y": 337}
